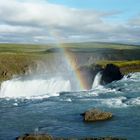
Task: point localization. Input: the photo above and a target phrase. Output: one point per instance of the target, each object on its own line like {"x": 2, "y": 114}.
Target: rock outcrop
{"x": 94, "y": 115}
{"x": 47, "y": 137}
{"x": 111, "y": 73}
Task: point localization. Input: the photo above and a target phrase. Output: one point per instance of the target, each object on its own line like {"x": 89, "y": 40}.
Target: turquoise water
{"x": 59, "y": 113}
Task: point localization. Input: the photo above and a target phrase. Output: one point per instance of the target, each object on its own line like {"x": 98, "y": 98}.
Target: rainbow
{"x": 70, "y": 60}
{"x": 73, "y": 64}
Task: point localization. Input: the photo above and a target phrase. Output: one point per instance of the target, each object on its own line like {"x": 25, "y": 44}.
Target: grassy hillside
{"x": 15, "y": 59}
{"x": 125, "y": 66}
{"x": 22, "y": 48}
{"x": 35, "y": 47}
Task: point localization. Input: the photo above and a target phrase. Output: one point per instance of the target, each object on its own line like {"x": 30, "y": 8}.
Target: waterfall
{"x": 97, "y": 80}
{"x": 17, "y": 88}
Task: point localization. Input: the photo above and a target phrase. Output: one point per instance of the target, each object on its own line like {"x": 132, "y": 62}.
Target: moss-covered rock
{"x": 94, "y": 115}
{"x": 35, "y": 137}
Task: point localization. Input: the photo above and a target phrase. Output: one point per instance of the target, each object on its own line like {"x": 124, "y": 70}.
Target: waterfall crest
{"x": 17, "y": 88}
{"x": 97, "y": 80}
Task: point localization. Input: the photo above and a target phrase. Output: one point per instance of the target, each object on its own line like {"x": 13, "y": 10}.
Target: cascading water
{"x": 58, "y": 115}
{"x": 16, "y": 88}
{"x": 97, "y": 80}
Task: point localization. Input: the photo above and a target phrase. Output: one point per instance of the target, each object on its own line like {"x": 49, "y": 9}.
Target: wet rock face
{"x": 94, "y": 115}
{"x": 88, "y": 74}
{"x": 111, "y": 73}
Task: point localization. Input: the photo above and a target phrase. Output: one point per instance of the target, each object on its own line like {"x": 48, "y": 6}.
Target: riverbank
{"x": 20, "y": 59}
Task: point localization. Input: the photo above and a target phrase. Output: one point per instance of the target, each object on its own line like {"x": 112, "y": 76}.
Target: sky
{"x": 49, "y": 21}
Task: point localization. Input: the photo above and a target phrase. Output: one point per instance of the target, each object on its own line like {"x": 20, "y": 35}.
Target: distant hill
{"x": 101, "y": 45}
{"x": 87, "y": 45}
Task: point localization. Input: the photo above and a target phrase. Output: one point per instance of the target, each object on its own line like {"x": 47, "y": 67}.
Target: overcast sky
{"x": 45, "y": 21}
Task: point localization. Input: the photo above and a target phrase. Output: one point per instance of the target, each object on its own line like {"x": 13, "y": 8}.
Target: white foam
{"x": 134, "y": 101}
{"x": 132, "y": 77}
{"x": 66, "y": 100}
{"x": 97, "y": 80}
{"x": 115, "y": 102}
{"x": 102, "y": 90}
{"x": 40, "y": 88}
{"x": 15, "y": 104}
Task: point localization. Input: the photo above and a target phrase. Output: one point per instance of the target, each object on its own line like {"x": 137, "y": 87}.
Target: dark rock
{"x": 94, "y": 115}
{"x": 129, "y": 75}
{"x": 53, "y": 50}
{"x": 111, "y": 73}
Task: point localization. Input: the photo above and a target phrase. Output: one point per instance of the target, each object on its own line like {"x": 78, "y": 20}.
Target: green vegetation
{"x": 120, "y": 63}
{"x": 13, "y": 64}
{"x": 22, "y": 48}
{"x": 36, "y": 48}
{"x": 125, "y": 66}
{"x": 101, "y": 45}
{"x": 16, "y": 59}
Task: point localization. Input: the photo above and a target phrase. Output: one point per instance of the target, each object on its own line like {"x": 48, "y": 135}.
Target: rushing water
{"x": 49, "y": 106}
{"x": 97, "y": 80}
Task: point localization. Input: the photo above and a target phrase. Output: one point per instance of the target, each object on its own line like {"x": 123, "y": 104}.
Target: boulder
{"x": 111, "y": 73}
{"x": 35, "y": 137}
{"x": 94, "y": 115}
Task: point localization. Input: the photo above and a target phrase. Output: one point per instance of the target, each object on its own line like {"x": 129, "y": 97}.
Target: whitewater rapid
{"x": 17, "y": 88}
{"x": 121, "y": 93}
{"x": 39, "y": 87}
{"x": 52, "y": 106}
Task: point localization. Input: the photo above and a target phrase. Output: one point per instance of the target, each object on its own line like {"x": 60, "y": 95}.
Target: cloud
{"x": 42, "y": 22}
{"x": 37, "y": 14}
{"x": 135, "y": 21}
